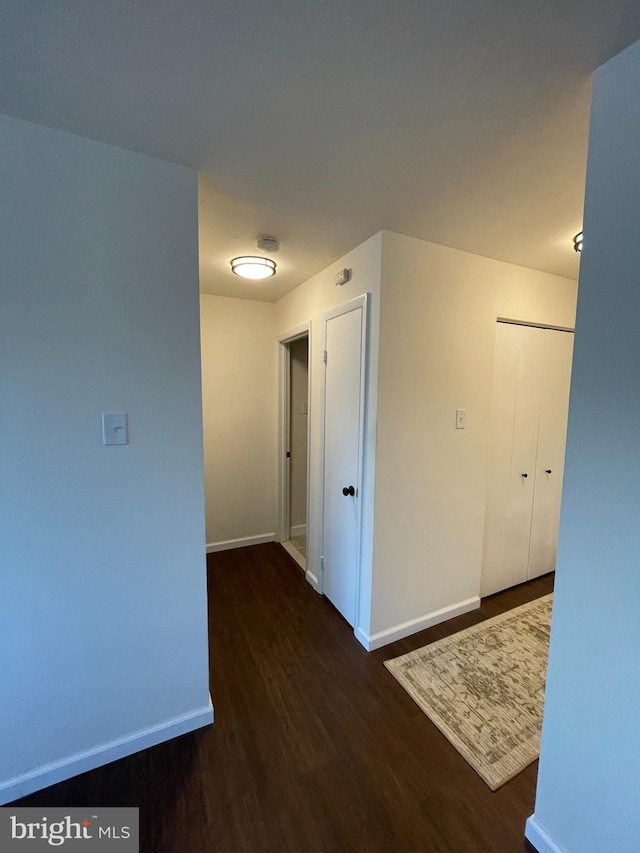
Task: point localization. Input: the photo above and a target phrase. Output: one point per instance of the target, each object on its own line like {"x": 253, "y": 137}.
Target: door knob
{"x": 348, "y": 490}
{"x": 548, "y": 471}
{"x": 525, "y": 475}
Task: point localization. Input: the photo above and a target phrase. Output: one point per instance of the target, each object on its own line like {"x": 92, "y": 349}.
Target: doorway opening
{"x": 294, "y": 444}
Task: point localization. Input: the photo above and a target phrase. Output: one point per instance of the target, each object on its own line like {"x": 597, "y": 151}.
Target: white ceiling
{"x": 463, "y": 122}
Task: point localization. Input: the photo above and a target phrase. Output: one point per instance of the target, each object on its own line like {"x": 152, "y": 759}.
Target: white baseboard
{"x": 538, "y": 836}
{"x": 296, "y": 555}
{"x": 362, "y": 638}
{"x": 228, "y": 544}
{"x": 49, "y": 774}
{"x": 405, "y": 629}
{"x": 298, "y": 530}
{"x": 312, "y": 579}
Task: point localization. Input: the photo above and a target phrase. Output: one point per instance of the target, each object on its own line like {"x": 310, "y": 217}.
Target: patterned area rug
{"x": 484, "y": 688}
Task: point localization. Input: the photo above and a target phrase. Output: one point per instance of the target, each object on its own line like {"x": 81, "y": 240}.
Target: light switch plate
{"x": 461, "y": 418}
{"x": 115, "y": 428}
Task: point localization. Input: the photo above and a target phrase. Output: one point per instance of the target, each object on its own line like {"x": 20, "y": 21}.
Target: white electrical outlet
{"x": 115, "y": 428}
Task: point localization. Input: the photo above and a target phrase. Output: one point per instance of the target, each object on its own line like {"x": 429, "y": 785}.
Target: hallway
{"x": 315, "y": 747}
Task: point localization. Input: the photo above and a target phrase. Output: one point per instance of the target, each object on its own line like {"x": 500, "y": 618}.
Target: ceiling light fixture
{"x": 250, "y": 266}
{"x": 577, "y": 242}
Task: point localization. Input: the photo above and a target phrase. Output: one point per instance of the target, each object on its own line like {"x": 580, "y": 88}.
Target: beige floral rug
{"x": 484, "y": 688}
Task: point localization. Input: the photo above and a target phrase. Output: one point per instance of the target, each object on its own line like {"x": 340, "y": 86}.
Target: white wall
{"x": 437, "y": 328}
{"x": 299, "y": 422}
{"x": 103, "y": 626}
{"x": 589, "y": 776}
{"x": 307, "y": 303}
{"x": 239, "y": 409}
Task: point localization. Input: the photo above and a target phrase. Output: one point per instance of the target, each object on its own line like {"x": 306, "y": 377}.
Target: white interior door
{"x": 556, "y": 356}
{"x": 496, "y": 569}
{"x": 286, "y": 341}
{"x": 298, "y": 431}
{"x": 524, "y": 450}
{"x": 345, "y": 329}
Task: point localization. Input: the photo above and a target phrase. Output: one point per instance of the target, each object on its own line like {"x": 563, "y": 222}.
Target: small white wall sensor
{"x": 343, "y": 276}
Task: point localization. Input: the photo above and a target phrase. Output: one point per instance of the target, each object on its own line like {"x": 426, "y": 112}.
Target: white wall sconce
{"x": 250, "y": 266}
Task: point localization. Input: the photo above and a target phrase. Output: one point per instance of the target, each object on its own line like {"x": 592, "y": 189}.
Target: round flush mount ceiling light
{"x": 577, "y": 242}
{"x": 250, "y": 266}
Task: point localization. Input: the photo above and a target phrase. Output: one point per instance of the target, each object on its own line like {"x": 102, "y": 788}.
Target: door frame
{"x": 362, "y": 302}
{"x": 303, "y": 330}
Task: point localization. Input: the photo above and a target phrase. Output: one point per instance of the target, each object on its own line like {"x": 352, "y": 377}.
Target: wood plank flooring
{"x": 315, "y": 746}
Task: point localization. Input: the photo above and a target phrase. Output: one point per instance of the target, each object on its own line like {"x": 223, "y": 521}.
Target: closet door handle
{"x": 525, "y": 475}
{"x": 548, "y": 471}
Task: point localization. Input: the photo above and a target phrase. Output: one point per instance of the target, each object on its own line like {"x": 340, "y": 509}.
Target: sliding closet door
{"x": 552, "y": 430}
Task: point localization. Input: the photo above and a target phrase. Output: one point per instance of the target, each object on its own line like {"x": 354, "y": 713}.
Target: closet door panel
{"x": 523, "y": 458}
{"x": 556, "y": 359}
{"x": 496, "y": 571}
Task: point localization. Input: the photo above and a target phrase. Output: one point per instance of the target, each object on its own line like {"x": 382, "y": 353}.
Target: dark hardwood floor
{"x": 315, "y": 747}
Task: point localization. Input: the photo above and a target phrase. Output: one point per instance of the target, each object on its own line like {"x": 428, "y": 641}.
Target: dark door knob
{"x": 525, "y": 475}
{"x": 548, "y": 471}
{"x": 348, "y": 490}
